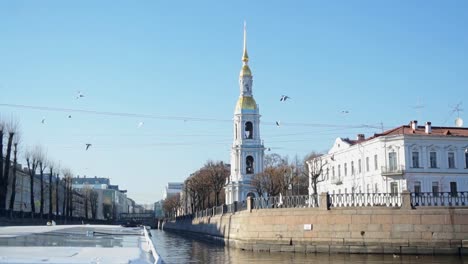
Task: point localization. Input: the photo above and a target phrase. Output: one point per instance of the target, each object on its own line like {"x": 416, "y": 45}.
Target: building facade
{"x": 247, "y": 150}
{"x": 172, "y": 188}
{"x": 410, "y": 157}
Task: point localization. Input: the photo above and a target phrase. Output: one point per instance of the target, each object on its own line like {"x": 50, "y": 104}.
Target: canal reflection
{"x": 174, "y": 248}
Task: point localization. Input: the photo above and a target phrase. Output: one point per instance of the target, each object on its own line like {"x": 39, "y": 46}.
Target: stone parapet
{"x": 337, "y": 230}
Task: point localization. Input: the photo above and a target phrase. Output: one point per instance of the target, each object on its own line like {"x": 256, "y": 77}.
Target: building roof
{"x": 91, "y": 181}
{"x": 419, "y": 131}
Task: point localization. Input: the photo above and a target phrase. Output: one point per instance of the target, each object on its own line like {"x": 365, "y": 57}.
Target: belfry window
{"x": 249, "y": 163}
{"x": 248, "y": 130}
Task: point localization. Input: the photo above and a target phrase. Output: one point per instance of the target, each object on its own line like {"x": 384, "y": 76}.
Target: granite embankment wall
{"x": 431, "y": 230}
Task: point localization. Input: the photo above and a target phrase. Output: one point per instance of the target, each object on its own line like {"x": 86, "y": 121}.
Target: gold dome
{"x": 246, "y": 102}
{"x": 245, "y": 71}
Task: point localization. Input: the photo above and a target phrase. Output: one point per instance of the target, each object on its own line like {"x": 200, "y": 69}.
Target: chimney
{"x": 428, "y": 128}
{"x": 414, "y": 124}
{"x": 360, "y": 137}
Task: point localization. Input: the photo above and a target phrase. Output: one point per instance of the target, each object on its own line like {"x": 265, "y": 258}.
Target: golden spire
{"x": 245, "y": 56}
{"x": 245, "y": 71}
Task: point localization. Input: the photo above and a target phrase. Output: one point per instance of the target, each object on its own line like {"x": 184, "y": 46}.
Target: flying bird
{"x": 79, "y": 95}
{"x": 141, "y": 124}
{"x": 345, "y": 112}
{"x": 43, "y": 120}
{"x": 69, "y": 116}
{"x": 277, "y": 123}
{"x": 284, "y": 98}
{"x": 88, "y": 145}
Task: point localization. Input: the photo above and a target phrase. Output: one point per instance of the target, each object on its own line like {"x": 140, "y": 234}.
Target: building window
{"x": 415, "y": 159}
{"x": 367, "y": 163}
{"x": 433, "y": 159}
{"x": 466, "y": 159}
{"x": 376, "y": 188}
{"x": 339, "y": 171}
{"x": 368, "y": 188}
{"x": 376, "y": 164}
{"x": 249, "y": 162}
{"x": 327, "y": 173}
{"x": 392, "y": 161}
{"x": 345, "y": 190}
{"x": 345, "y": 169}
{"x": 352, "y": 167}
{"x": 435, "y": 188}
{"x": 359, "y": 166}
{"x": 248, "y": 130}
{"x": 417, "y": 187}
{"x": 451, "y": 160}
{"x": 235, "y": 130}
{"x": 333, "y": 172}
{"x": 453, "y": 189}
{"x": 394, "y": 188}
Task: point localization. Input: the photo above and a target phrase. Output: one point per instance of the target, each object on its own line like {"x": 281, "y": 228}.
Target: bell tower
{"x": 247, "y": 150}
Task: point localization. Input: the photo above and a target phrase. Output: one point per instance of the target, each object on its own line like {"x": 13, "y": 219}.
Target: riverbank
{"x": 381, "y": 230}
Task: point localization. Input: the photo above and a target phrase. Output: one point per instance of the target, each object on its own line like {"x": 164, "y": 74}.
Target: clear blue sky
{"x": 376, "y": 59}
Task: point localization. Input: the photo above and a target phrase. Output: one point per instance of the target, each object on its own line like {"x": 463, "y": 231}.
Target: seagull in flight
{"x": 345, "y": 112}
{"x": 284, "y": 98}
{"x": 88, "y": 145}
{"x": 277, "y": 123}
{"x": 79, "y": 95}
{"x": 43, "y": 120}
{"x": 69, "y": 116}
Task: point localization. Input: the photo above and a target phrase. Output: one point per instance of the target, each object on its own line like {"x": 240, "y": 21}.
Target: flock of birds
{"x": 285, "y": 97}
{"x": 80, "y": 95}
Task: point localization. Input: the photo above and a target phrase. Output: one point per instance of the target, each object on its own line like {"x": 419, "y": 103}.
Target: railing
{"x": 439, "y": 199}
{"x": 393, "y": 170}
{"x": 241, "y": 206}
{"x": 342, "y": 200}
{"x": 364, "y": 199}
{"x": 299, "y": 201}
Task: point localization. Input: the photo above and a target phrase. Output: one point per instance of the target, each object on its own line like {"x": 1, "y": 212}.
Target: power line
{"x": 167, "y": 117}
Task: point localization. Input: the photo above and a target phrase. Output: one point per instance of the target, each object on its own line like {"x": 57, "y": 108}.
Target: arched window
{"x": 249, "y": 164}
{"x": 248, "y": 130}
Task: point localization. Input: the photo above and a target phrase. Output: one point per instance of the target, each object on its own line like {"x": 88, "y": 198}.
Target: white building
{"x": 247, "y": 150}
{"x": 172, "y": 188}
{"x": 410, "y": 157}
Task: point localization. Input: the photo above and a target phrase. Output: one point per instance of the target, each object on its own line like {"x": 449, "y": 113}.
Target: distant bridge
{"x": 147, "y": 219}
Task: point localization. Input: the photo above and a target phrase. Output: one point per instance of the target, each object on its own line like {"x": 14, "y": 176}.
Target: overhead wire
{"x": 168, "y": 117}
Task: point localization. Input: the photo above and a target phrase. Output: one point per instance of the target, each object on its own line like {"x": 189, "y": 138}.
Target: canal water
{"x": 174, "y": 248}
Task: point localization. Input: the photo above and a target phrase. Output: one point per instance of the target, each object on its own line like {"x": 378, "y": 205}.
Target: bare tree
{"x": 93, "y": 200}
{"x": 15, "y": 166}
{"x": 276, "y": 176}
{"x": 68, "y": 199}
{"x": 316, "y": 164}
{"x": 87, "y": 195}
{"x": 42, "y": 167}
{"x": 217, "y": 175}
{"x": 57, "y": 184}
{"x": 51, "y": 172}
{"x": 260, "y": 181}
{"x": 32, "y": 160}
{"x": 191, "y": 192}
{"x": 2, "y": 180}
{"x": 11, "y": 128}
{"x": 171, "y": 204}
